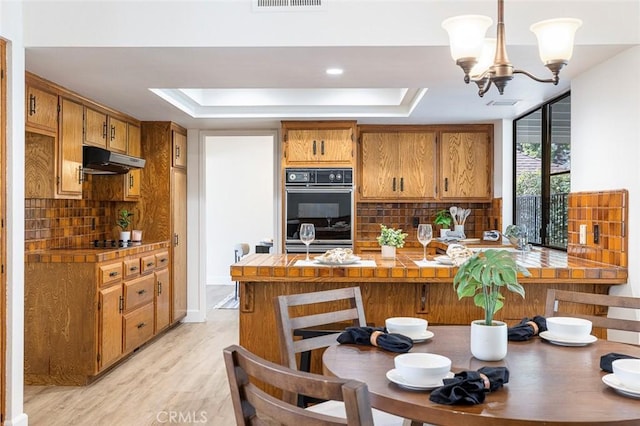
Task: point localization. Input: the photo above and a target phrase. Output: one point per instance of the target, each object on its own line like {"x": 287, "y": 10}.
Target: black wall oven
{"x": 323, "y": 197}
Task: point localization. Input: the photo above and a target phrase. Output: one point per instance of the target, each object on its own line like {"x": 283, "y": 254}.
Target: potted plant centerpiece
{"x": 123, "y": 221}
{"x": 482, "y": 277}
{"x": 443, "y": 218}
{"x": 389, "y": 239}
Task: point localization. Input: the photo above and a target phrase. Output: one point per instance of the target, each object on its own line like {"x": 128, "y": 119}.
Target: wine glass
{"x": 425, "y": 234}
{"x": 307, "y": 234}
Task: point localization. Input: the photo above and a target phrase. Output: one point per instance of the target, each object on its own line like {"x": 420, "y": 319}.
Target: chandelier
{"x": 474, "y": 54}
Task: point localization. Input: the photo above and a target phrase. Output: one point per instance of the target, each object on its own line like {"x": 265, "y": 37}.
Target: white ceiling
{"x": 115, "y": 52}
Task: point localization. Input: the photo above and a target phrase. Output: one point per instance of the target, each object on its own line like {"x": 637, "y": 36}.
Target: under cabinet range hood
{"x": 99, "y": 161}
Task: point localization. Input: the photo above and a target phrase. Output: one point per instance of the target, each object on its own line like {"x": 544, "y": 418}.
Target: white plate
{"x": 396, "y": 378}
{"x": 612, "y": 381}
{"x": 423, "y": 337}
{"x": 564, "y": 341}
{"x": 349, "y": 261}
{"x": 444, "y": 260}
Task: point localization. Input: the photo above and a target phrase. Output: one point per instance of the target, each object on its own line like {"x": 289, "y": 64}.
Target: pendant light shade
{"x": 466, "y": 35}
{"x": 555, "y": 38}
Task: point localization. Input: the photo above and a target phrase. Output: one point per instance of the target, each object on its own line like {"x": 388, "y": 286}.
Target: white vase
{"x": 125, "y": 236}
{"x": 489, "y": 342}
{"x": 388, "y": 252}
{"x": 443, "y": 233}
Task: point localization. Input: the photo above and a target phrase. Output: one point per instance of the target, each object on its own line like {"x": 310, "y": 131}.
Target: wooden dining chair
{"x": 563, "y": 302}
{"x": 253, "y": 406}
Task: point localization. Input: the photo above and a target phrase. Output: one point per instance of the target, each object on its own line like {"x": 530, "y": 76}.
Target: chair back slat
{"x": 252, "y": 405}
{"x": 557, "y": 300}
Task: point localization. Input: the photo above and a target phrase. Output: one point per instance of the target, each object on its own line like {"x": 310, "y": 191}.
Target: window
{"x": 542, "y": 172}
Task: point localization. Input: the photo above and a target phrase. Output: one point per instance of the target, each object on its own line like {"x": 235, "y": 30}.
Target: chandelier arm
{"x": 555, "y": 79}
{"x": 485, "y": 88}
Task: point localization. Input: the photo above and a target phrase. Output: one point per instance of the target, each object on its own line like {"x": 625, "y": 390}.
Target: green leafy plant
{"x": 391, "y": 237}
{"x": 124, "y": 220}
{"x": 484, "y": 275}
{"x": 443, "y": 217}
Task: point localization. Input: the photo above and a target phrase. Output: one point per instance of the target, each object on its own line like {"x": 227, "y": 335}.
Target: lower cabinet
{"x": 128, "y": 298}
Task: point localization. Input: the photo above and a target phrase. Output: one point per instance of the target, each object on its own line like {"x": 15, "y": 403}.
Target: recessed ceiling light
{"x": 334, "y": 71}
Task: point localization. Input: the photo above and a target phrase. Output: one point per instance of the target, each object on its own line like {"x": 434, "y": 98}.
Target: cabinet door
{"x": 466, "y": 166}
{"x": 379, "y": 164}
{"x": 335, "y": 145}
{"x": 417, "y": 158}
{"x": 302, "y": 146}
{"x": 179, "y": 149}
{"x": 41, "y": 109}
{"x": 110, "y": 328}
{"x": 70, "y": 149}
{"x": 133, "y": 178}
{"x": 117, "y": 138}
{"x": 95, "y": 128}
{"x": 179, "y": 265}
{"x": 163, "y": 300}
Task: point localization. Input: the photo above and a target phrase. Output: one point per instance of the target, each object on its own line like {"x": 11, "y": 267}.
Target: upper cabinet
{"x": 397, "y": 164}
{"x": 314, "y": 143}
{"x": 426, "y": 163}
{"x": 466, "y": 165}
{"x": 41, "y": 109}
{"x": 71, "y": 176}
{"x": 105, "y": 131}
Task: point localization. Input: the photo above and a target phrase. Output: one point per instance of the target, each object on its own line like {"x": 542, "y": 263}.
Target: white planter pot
{"x": 443, "y": 233}
{"x": 388, "y": 252}
{"x": 125, "y": 236}
{"x": 489, "y": 342}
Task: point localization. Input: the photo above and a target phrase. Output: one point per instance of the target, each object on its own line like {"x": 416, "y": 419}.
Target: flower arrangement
{"x": 483, "y": 275}
{"x": 124, "y": 220}
{"x": 391, "y": 237}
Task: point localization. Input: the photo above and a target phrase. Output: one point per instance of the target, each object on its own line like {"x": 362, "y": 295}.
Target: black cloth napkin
{"x": 525, "y": 330}
{"x": 390, "y": 341}
{"x": 607, "y": 359}
{"x": 469, "y": 387}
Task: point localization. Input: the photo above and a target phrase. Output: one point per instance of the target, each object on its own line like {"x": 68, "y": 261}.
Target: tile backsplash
{"x": 608, "y": 211}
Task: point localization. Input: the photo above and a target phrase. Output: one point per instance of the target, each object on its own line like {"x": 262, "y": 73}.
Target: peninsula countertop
{"x": 545, "y": 266}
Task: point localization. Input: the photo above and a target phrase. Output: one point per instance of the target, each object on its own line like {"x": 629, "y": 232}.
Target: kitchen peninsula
{"x": 401, "y": 288}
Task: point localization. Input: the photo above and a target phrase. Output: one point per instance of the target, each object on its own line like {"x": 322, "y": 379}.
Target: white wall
{"x": 11, "y": 30}
{"x": 605, "y": 144}
{"x": 240, "y": 197}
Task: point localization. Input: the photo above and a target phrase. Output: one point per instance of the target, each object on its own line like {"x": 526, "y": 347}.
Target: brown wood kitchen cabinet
{"x": 397, "y": 163}
{"x": 104, "y": 130}
{"x": 466, "y": 164}
{"x": 314, "y": 143}
{"x": 83, "y": 317}
{"x": 41, "y": 108}
{"x": 163, "y": 202}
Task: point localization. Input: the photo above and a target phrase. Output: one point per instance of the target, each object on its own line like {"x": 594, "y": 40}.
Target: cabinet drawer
{"x": 137, "y": 292}
{"x": 131, "y": 268}
{"x": 148, "y": 263}
{"x": 110, "y": 273}
{"x": 138, "y": 327}
{"x": 162, "y": 259}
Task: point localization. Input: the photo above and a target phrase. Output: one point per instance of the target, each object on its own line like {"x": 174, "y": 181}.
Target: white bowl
{"x": 569, "y": 327}
{"x": 422, "y": 368}
{"x": 628, "y": 372}
{"x": 413, "y": 328}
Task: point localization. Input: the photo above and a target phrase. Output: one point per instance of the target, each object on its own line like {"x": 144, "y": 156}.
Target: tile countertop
{"x": 90, "y": 254}
{"x": 545, "y": 266}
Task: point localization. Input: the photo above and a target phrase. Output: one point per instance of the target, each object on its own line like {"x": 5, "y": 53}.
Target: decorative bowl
{"x": 411, "y": 327}
{"x": 628, "y": 372}
{"x": 569, "y": 327}
{"x": 422, "y": 368}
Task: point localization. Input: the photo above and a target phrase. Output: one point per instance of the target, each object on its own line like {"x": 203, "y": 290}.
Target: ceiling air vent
{"x": 505, "y": 102}
{"x": 288, "y": 5}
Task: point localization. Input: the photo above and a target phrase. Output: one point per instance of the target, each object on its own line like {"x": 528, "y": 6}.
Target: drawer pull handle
{"x": 113, "y": 274}
{"x": 141, "y": 292}
{"x": 142, "y": 324}
{"x": 149, "y": 264}
{"x": 133, "y": 268}
{"x": 159, "y": 287}
{"x": 163, "y": 260}
{"x": 120, "y": 304}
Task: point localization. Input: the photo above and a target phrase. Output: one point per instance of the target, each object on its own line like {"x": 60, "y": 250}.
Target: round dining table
{"x": 549, "y": 384}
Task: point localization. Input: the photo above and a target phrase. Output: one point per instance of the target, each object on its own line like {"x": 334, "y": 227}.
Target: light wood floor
{"x": 178, "y": 379}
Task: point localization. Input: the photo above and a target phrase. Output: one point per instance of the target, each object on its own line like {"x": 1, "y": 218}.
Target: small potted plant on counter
{"x": 123, "y": 221}
{"x": 390, "y": 239}
{"x": 443, "y": 218}
{"x": 482, "y": 277}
